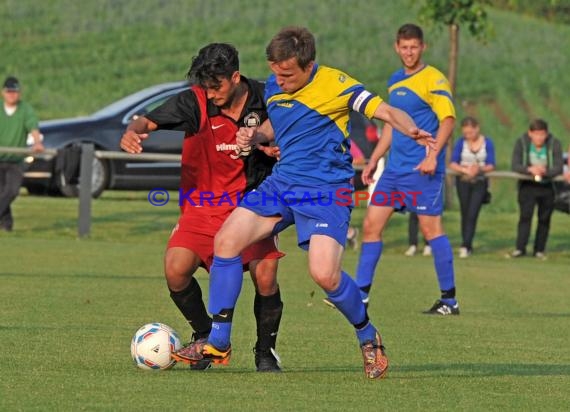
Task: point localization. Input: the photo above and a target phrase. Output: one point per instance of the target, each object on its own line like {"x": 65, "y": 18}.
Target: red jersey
{"x": 214, "y": 171}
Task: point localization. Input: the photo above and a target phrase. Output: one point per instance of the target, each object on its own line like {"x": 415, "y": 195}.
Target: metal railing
{"x": 88, "y": 153}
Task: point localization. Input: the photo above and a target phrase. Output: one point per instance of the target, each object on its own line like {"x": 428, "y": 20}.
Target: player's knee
{"x": 265, "y": 278}
{"x": 225, "y": 245}
{"x": 177, "y": 276}
{"x": 266, "y": 286}
{"x": 325, "y": 278}
{"x": 431, "y": 233}
{"x": 370, "y": 228}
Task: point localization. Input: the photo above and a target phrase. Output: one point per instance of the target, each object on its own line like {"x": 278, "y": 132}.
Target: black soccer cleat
{"x": 442, "y": 309}
{"x": 266, "y": 360}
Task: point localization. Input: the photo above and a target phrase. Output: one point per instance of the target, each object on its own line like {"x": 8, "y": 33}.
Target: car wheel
{"x": 99, "y": 180}
{"x": 36, "y": 189}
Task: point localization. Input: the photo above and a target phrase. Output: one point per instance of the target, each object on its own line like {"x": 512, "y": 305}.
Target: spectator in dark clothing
{"x": 473, "y": 156}
{"x": 538, "y": 154}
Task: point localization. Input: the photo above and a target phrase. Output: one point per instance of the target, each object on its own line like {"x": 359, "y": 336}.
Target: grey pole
{"x": 85, "y": 179}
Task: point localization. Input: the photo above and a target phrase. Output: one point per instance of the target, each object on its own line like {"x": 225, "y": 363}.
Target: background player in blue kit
{"x": 308, "y": 107}
{"x": 424, "y": 93}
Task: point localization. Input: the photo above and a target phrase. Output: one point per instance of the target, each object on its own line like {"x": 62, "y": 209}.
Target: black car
{"x": 105, "y": 128}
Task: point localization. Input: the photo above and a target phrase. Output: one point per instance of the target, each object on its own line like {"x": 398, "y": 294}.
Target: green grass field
{"x": 69, "y": 308}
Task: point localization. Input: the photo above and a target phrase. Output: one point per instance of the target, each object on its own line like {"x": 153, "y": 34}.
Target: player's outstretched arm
{"x": 136, "y": 132}
{"x": 401, "y": 121}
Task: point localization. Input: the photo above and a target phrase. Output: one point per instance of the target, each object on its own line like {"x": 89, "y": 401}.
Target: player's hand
{"x": 131, "y": 142}
{"x": 244, "y": 137}
{"x": 427, "y": 166}
{"x": 422, "y": 137}
{"x": 367, "y": 176}
{"x": 38, "y": 147}
{"x": 271, "y": 151}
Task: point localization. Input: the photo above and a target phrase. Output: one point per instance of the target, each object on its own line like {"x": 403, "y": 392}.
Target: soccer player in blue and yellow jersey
{"x": 308, "y": 107}
{"x": 424, "y": 93}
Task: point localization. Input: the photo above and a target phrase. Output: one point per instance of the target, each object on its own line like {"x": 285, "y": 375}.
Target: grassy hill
{"x": 74, "y": 57}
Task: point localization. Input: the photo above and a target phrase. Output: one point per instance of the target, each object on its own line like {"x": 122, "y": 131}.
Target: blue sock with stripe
{"x": 443, "y": 261}
{"x": 347, "y": 300}
{"x": 369, "y": 256}
{"x": 226, "y": 279}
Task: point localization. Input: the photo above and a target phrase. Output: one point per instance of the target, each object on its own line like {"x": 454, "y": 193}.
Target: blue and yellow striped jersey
{"x": 312, "y": 126}
{"x": 426, "y": 97}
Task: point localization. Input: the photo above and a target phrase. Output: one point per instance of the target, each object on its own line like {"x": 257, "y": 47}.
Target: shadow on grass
{"x": 522, "y": 315}
{"x": 427, "y": 371}
{"x": 85, "y": 276}
{"x": 484, "y": 369}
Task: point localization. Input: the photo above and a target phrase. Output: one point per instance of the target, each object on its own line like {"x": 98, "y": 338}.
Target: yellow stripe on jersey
{"x": 431, "y": 86}
{"x": 329, "y": 94}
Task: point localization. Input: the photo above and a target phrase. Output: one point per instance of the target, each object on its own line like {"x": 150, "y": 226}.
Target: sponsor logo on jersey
{"x": 237, "y": 152}
{"x": 287, "y": 105}
{"x": 222, "y": 147}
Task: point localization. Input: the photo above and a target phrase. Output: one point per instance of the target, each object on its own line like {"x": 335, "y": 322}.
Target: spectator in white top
{"x": 473, "y": 156}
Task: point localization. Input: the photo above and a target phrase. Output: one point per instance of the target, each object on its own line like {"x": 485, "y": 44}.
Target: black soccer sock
{"x": 366, "y": 289}
{"x": 448, "y": 294}
{"x": 189, "y": 302}
{"x": 267, "y": 311}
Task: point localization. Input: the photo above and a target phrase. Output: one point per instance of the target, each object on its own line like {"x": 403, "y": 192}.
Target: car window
{"x": 141, "y": 111}
{"x": 149, "y": 105}
{"x": 117, "y": 107}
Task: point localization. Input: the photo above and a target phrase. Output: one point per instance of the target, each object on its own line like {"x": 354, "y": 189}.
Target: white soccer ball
{"x": 152, "y": 345}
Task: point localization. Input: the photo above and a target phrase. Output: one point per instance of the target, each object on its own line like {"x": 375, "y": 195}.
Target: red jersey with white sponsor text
{"x": 214, "y": 171}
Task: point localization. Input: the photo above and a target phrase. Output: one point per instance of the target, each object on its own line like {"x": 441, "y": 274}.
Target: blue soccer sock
{"x": 226, "y": 279}
{"x": 366, "y": 333}
{"x": 443, "y": 261}
{"x": 346, "y": 299}
{"x": 369, "y": 256}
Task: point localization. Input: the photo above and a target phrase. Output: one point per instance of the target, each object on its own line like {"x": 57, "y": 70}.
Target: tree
{"x": 454, "y": 14}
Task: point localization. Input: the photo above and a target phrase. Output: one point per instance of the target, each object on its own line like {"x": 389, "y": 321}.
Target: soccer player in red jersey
{"x": 215, "y": 173}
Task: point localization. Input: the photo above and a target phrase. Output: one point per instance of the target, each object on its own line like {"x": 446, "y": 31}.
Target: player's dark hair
{"x": 214, "y": 61}
{"x": 469, "y": 121}
{"x": 410, "y": 31}
{"x": 291, "y": 42}
{"x": 538, "y": 124}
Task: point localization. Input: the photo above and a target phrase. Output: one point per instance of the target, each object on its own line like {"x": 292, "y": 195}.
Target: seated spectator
{"x": 473, "y": 156}
{"x": 538, "y": 154}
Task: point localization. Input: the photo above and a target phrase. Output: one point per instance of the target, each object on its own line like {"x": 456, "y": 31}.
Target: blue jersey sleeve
{"x": 457, "y": 149}
{"x": 490, "y": 160}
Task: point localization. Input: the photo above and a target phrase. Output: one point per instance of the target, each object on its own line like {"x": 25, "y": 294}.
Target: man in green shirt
{"x": 538, "y": 154}
{"x": 17, "y": 120}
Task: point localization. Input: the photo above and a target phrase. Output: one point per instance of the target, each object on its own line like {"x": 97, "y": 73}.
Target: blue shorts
{"x": 413, "y": 192}
{"x": 313, "y": 210}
